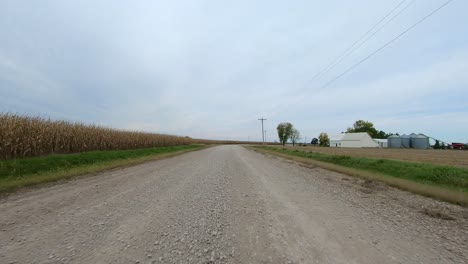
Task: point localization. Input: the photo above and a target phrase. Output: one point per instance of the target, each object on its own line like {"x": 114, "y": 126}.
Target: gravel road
{"x": 228, "y": 204}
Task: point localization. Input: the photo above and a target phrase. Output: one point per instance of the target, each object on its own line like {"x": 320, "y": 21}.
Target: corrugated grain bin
{"x": 420, "y": 142}
{"x": 406, "y": 141}
{"x": 394, "y": 141}
{"x": 427, "y": 140}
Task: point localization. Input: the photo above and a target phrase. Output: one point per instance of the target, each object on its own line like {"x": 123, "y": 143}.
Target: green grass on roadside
{"x": 452, "y": 178}
{"x": 22, "y": 172}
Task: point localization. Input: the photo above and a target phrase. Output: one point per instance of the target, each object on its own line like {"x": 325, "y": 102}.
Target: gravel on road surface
{"x": 228, "y": 204}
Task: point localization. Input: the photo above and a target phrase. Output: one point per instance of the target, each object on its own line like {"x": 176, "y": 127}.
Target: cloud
{"x": 211, "y": 69}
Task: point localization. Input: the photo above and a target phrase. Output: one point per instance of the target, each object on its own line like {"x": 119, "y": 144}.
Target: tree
{"x": 363, "y": 126}
{"x": 284, "y": 131}
{"x": 295, "y": 136}
{"x": 366, "y": 126}
{"x": 383, "y": 135}
{"x": 324, "y": 140}
{"x": 314, "y": 141}
{"x": 437, "y": 145}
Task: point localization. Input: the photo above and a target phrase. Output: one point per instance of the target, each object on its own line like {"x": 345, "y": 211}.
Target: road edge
{"x": 93, "y": 170}
{"x": 441, "y": 194}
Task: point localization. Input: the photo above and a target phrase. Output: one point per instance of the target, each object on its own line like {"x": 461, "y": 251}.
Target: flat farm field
{"x": 457, "y": 158}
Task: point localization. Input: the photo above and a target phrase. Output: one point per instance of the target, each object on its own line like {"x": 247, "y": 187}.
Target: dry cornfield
{"x": 24, "y": 136}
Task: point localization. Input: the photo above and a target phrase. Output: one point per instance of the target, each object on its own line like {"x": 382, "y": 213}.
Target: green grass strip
{"x": 437, "y": 175}
{"x": 22, "y": 172}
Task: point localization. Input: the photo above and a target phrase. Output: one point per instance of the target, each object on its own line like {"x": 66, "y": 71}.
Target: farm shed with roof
{"x": 358, "y": 140}
{"x": 383, "y": 143}
{"x": 335, "y": 140}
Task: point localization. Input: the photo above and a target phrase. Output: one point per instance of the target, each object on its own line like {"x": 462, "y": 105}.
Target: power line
{"x": 386, "y": 44}
{"x": 347, "y": 54}
{"x": 352, "y": 48}
{"x": 382, "y": 47}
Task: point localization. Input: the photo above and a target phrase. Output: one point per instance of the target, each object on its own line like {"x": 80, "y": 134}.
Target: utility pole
{"x": 263, "y": 135}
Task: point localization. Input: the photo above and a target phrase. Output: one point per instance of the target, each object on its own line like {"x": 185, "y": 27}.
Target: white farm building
{"x": 354, "y": 140}
{"x": 335, "y": 140}
{"x": 383, "y": 143}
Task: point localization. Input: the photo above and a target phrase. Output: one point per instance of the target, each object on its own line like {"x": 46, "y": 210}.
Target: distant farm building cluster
{"x": 363, "y": 140}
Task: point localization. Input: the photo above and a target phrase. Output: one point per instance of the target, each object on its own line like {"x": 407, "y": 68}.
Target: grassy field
{"x": 457, "y": 158}
{"x": 440, "y": 181}
{"x": 16, "y": 173}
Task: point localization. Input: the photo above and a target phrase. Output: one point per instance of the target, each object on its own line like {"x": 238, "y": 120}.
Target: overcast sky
{"x": 210, "y": 69}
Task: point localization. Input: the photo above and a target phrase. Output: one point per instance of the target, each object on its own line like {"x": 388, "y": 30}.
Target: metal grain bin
{"x": 406, "y": 141}
{"x": 394, "y": 141}
{"x": 420, "y": 142}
